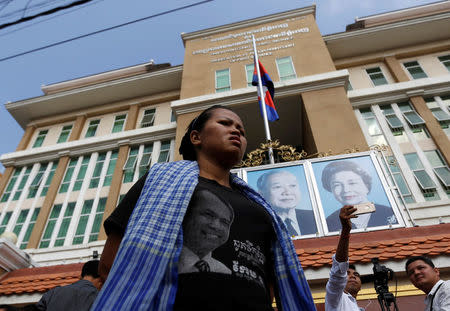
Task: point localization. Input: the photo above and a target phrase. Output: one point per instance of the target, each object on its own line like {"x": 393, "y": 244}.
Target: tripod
{"x": 385, "y": 298}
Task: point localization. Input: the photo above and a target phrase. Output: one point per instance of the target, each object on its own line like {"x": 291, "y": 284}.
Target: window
{"x": 82, "y": 222}
{"x": 146, "y": 160}
{"x": 223, "y": 82}
{"x": 20, "y": 221}
{"x": 173, "y": 117}
{"x": 399, "y": 180}
{"x": 423, "y": 179}
{"x": 37, "y": 181}
{"x": 5, "y": 221}
{"x": 285, "y": 68}
{"x": 68, "y": 176}
{"x": 95, "y": 180}
{"x": 27, "y": 235}
{"x": 415, "y": 70}
{"x": 249, "y": 69}
{"x": 65, "y": 132}
{"x": 49, "y": 180}
{"x": 51, "y": 222}
{"x": 416, "y": 123}
{"x": 130, "y": 165}
{"x": 119, "y": 123}
{"x": 394, "y": 123}
{"x": 92, "y": 128}
{"x": 440, "y": 168}
{"x": 81, "y": 173}
{"x": 376, "y": 75}
{"x": 164, "y": 153}
{"x": 437, "y": 111}
{"x": 149, "y": 118}
{"x": 372, "y": 126}
{"x": 111, "y": 167}
{"x": 22, "y": 183}
{"x": 445, "y": 60}
{"x": 93, "y": 236}
{"x": 11, "y": 184}
{"x": 40, "y": 138}
{"x": 65, "y": 223}
{"x": 349, "y": 86}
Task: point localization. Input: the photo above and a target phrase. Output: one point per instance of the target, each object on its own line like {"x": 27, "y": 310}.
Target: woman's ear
{"x": 195, "y": 138}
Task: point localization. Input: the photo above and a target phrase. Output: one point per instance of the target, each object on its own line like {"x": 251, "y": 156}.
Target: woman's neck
{"x": 211, "y": 170}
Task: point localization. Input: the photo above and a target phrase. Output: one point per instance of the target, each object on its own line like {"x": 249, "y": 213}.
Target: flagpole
{"x": 263, "y": 103}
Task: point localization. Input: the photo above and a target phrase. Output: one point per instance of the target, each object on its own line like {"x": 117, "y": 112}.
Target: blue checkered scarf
{"x": 144, "y": 275}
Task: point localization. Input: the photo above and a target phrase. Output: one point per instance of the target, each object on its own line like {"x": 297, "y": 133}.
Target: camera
{"x": 381, "y": 276}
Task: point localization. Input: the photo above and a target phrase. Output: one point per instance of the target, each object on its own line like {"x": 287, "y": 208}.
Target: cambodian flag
{"x": 268, "y": 90}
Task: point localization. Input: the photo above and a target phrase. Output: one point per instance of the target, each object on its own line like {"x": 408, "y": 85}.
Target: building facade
{"x": 384, "y": 82}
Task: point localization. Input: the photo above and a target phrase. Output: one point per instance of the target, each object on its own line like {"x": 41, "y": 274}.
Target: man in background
{"x": 78, "y": 296}
{"x": 425, "y": 276}
{"x": 344, "y": 282}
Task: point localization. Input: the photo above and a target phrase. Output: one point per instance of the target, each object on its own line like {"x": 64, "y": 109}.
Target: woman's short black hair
{"x": 187, "y": 149}
{"x": 341, "y": 166}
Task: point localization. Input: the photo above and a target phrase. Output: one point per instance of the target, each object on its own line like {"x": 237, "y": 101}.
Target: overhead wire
{"x": 105, "y": 29}
{"x": 38, "y": 5}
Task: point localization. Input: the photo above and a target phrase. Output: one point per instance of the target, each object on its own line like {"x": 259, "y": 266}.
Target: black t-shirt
{"x": 226, "y": 261}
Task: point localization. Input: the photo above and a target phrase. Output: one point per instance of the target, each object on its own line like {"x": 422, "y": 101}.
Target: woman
{"x": 350, "y": 185}
{"x": 282, "y": 190}
{"x": 146, "y": 274}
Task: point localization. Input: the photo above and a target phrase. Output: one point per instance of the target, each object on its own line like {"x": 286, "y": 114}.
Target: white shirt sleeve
{"x": 336, "y": 284}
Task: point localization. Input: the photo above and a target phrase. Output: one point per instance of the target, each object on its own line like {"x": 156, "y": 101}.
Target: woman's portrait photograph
{"x": 352, "y": 181}
{"x": 286, "y": 189}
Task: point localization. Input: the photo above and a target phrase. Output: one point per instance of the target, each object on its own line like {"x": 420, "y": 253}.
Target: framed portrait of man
{"x": 354, "y": 180}
{"x": 288, "y": 192}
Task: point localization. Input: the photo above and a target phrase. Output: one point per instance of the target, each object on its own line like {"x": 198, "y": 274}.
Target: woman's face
{"x": 283, "y": 191}
{"x": 222, "y": 138}
{"x": 348, "y": 188}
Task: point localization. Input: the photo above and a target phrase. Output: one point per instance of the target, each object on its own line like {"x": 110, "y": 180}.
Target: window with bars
{"x": 65, "y": 133}
{"x": 40, "y": 138}
{"x": 81, "y": 173}
{"x": 20, "y": 221}
{"x": 445, "y": 60}
{"x": 285, "y": 68}
{"x": 440, "y": 168}
{"x": 30, "y": 227}
{"x": 111, "y": 167}
{"x": 65, "y": 223}
{"x": 164, "y": 153}
{"x": 68, "y": 176}
{"x": 93, "y": 236}
{"x": 149, "y": 117}
{"x": 223, "y": 82}
{"x": 119, "y": 123}
{"x": 422, "y": 178}
{"x": 22, "y": 183}
{"x": 146, "y": 160}
{"x": 376, "y": 76}
{"x": 92, "y": 128}
{"x": 249, "y": 69}
{"x": 5, "y": 221}
{"x": 415, "y": 70}
{"x": 130, "y": 165}
{"x": 95, "y": 180}
{"x": 51, "y": 223}
{"x": 376, "y": 135}
{"x": 11, "y": 184}
{"x": 34, "y": 186}
{"x": 49, "y": 180}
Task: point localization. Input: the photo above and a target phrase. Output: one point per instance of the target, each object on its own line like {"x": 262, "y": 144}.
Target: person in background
{"x": 344, "y": 283}
{"x": 141, "y": 257}
{"x": 350, "y": 184}
{"x": 78, "y": 296}
{"x": 281, "y": 189}
{"x": 425, "y": 276}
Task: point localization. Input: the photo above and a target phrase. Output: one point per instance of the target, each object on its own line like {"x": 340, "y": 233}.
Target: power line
{"x": 54, "y": 10}
{"x": 103, "y": 30}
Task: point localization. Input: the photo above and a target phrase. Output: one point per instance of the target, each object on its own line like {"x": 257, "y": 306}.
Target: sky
{"x": 157, "y": 38}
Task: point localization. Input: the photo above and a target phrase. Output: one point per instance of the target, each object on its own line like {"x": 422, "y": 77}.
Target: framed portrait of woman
{"x": 287, "y": 190}
{"x": 350, "y": 180}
